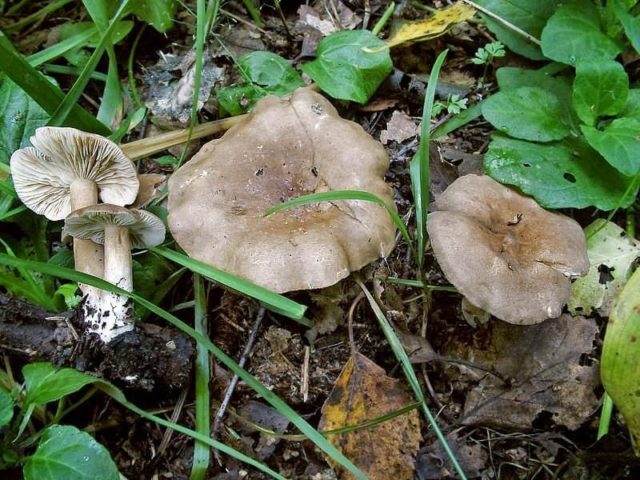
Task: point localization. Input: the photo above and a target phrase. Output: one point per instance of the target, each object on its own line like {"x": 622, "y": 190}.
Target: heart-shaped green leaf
{"x": 540, "y": 114}
{"x": 560, "y": 175}
{"x": 574, "y": 33}
{"x": 66, "y": 452}
{"x": 350, "y": 65}
{"x": 618, "y": 143}
{"x": 600, "y": 88}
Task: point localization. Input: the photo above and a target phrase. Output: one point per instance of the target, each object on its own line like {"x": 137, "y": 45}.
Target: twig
{"x": 217, "y": 421}
{"x": 305, "y": 375}
{"x": 175, "y": 415}
{"x": 506, "y": 23}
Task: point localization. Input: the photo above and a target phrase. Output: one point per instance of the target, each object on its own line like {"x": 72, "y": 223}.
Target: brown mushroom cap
{"x": 287, "y": 147}
{"x": 145, "y": 229}
{"x": 43, "y": 174}
{"x": 504, "y": 252}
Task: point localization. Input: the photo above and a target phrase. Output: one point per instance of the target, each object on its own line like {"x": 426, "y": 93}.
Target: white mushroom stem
{"x": 114, "y": 313}
{"x": 88, "y": 255}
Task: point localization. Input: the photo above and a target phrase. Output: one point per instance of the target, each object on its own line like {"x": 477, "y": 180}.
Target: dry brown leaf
{"x": 400, "y": 127}
{"x": 434, "y": 26}
{"x": 363, "y": 392}
{"x": 542, "y": 366}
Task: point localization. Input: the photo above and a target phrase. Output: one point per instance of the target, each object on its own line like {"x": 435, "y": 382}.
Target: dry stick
{"x": 159, "y": 143}
{"x": 217, "y": 421}
{"x": 352, "y": 308}
{"x": 175, "y": 415}
{"x": 507, "y": 24}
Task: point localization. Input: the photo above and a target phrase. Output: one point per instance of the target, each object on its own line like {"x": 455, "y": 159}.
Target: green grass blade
{"x": 119, "y": 397}
{"x": 41, "y": 90}
{"x": 201, "y": 451}
{"x": 269, "y": 299}
{"x": 345, "y": 195}
{"x": 71, "y": 99}
{"x": 57, "y": 50}
{"x": 275, "y": 401}
{"x": 407, "y": 369}
{"x": 419, "y": 168}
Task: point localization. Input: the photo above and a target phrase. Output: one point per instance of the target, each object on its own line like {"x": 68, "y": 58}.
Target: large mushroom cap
{"x": 145, "y": 229}
{"x": 504, "y": 252}
{"x": 287, "y": 147}
{"x": 43, "y": 174}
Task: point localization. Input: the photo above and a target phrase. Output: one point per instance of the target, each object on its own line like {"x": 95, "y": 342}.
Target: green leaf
{"x": 270, "y": 73}
{"x": 72, "y": 30}
{"x": 524, "y": 14}
{"x": 632, "y": 109}
{"x": 45, "y": 383}
{"x": 618, "y": 143}
{"x": 611, "y": 253}
{"x": 620, "y": 362}
{"x": 560, "y": 175}
{"x": 41, "y": 90}
{"x": 66, "y": 452}
{"x": 20, "y": 117}
{"x": 574, "y": 33}
{"x": 350, "y": 65}
{"x": 630, "y": 24}
{"x": 6, "y": 408}
{"x": 529, "y": 113}
{"x": 157, "y": 13}
{"x": 600, "y": 88}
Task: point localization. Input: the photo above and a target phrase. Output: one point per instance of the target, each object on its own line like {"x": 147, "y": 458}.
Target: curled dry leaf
{"x": 363, "y": 392}
{"x": 543, "y": 368}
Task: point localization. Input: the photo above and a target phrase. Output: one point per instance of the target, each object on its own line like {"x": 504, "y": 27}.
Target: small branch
{"x": 506, "y": 23}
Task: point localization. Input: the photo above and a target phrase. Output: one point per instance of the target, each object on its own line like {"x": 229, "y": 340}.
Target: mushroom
{"x": 67, "y": 169}
{"x": 504, "y": 252}
{"x": 119, "y": 230}
{"x": 287, "y": 147}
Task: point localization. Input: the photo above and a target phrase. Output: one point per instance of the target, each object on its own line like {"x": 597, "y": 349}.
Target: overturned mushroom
{"x": 67, "y": 169}
{"x": 119, "y": 230}
{"x": 286, "y": 148}
{"x": 504, "y": 252}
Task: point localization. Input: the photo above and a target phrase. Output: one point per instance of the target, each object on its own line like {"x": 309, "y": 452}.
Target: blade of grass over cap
{"x": 343, "y": 195}
{"x": 41, "y": 90}
{"x": 273, "y": 399}
{"x": 71, "y": 99}
{"x": 419, "y": 168}
{"x": 273, "y": 301}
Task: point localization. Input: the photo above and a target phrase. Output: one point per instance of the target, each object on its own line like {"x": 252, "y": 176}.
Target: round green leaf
{"x": 600, "y": 88}
{"x": 350, "y": 65}
{"x": 574, "y": 33}
{"x": 525, "y": 14}
{"x": 618, "y": 143}
{"x": 529, "y": 113}
{"x": 6, "y": 408}
{"x": 560, "y": 175}
{"x": 67, "y": 453}
{"x": 270, "y": 71}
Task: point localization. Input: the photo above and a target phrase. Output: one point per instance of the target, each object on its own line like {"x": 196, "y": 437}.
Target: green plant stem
{"x": 377, "y": 28}
{"x": 131, "y": 69}
{"x": 254, "y": 12}
{"x": 66, "y": 70}
{"x": 201, "y": 451}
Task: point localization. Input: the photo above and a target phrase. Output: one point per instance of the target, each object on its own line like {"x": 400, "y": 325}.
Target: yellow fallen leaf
{"x": 432, "y": 27}
{"x": 364, "y": 392}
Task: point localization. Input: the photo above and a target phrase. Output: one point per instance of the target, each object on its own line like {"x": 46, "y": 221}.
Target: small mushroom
{"x": 119, "y": 230}
{"x": 287, "y": 147}
{"x": 67, "y": 169}
{"x": 504, "y": 252}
